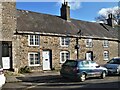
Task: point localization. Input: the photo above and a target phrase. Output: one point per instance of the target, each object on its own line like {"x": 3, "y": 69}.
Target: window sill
{"x": 34, "y": 45}
{"x": 64, "y": 46}
{"x": 34, "y": 65}
{"x": 106, "y": 59}
{"x": 105, "y": 46}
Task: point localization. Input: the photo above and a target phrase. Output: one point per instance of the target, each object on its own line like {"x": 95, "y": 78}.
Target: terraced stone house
{"x": 45, "y": 42}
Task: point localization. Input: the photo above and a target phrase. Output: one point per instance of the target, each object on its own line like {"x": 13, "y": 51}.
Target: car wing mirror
{"x": 98, "y": 66}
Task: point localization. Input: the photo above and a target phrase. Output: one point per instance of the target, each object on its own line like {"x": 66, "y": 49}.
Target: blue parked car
{"x": 82, "y": 69}
{"x": 113, "y": 66}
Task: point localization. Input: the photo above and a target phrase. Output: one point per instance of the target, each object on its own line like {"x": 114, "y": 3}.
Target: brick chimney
{"x": 110, "y": 20}
{"x": 65, "y": 11}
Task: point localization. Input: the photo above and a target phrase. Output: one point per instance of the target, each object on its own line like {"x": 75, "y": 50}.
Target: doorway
{"x": 89, "y": 55}
{"x": 7, "y": 54}
{"x": 47, "y": 59}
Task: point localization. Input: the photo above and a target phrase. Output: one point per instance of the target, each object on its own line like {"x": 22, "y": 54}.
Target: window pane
{"x": 66, "y": 41}
{"x": 64, "y": 56}
{"x": 31, "y": 40}
{"x": 67, "y": 56}
{"x": 36, "y": 40}
{"x": 62, "y": 41}
{"x": 31, "y": 59}
{"x": 105, "y": 44}
{"x": 31, "y": 62}
{"x": 31, "y": 55}
{"x": 5, "y": 50}
{"x": 36, "y": 62}
{"x": 106, "y": 55}
{"x": 34, "y": 58}
{"x": 89, "y": 43}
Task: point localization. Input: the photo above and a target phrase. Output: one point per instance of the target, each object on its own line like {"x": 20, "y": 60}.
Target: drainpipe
{"x": 77, "y": 46}
{"x": 1, "y": 54}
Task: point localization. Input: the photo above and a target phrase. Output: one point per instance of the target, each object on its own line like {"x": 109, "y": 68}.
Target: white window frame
{"x": 65, "y": 57}
{"x": 89, "y": 43}
{"x": 105, "y": 43}
{"x": 106, "y": 55}
{"x": 35, "y": 40}
{"x": 64, "y": 41}
{"x": 33, "y": 58}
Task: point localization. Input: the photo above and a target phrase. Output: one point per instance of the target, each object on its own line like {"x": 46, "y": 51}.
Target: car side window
{"x": 85, "y": 64}
{"x": 70, "y": 63}
{"x": 93, "y": 64}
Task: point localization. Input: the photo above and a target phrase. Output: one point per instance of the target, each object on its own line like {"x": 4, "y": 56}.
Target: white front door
{"x": 6, "y": 62}
{"x": 46, "y": 60}
{"x": 88, "y": 56}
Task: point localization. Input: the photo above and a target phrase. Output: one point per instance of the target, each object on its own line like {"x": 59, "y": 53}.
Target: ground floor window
{"x": 34, "y": 59}
{"x": 64, "y": 55}
{"x": 106, "y": 55}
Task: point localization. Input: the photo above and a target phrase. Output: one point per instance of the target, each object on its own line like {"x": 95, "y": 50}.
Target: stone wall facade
{"x": 53, "y": 44}
{"x": 7, "y": 27}
{"x": 0, "y": 21}
{"x": 8, "y": 20}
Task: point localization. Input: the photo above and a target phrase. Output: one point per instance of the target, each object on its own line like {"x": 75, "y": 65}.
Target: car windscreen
{"x": 71, "y": 63}
{"x": 114, "y": 61}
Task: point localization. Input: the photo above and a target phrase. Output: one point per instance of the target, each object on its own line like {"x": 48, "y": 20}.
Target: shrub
{"x": 25, "y": 69}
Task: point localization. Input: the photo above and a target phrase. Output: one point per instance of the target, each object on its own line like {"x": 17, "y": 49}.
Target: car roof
{"x": 116, "y": 58}
{"x": 79, "y": 60}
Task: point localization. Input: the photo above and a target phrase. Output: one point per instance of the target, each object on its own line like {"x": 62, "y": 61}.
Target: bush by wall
{"x": 25, "y": 69}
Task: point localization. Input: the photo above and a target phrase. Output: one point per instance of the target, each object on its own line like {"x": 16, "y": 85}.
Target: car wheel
{"x": 82, "y": 77}
{"x": 119, "y": 73}
{"x": 103, "y": 75}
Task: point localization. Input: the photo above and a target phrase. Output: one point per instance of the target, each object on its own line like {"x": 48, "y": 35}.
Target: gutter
{"x": 63, "y": 35}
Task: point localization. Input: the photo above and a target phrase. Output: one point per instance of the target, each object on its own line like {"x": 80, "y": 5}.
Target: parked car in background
{"x": 2, "y": 77}
{"x": 82, "y": 69}
{"x": 113, "y": 66}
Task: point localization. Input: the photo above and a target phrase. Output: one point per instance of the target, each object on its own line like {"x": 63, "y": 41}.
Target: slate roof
{"x": 44, "y": 23}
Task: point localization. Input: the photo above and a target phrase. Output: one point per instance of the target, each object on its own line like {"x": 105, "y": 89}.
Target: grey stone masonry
{"x": 53, "y": 43}
{"x": 0, "y": 21}
{"x": 7, "y": 20}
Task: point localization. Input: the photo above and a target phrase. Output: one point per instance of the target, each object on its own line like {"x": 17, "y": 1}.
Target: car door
{"x": 96, "y": 70}
{"x": 91, "y": 68}
{"x": 85, "y": 67}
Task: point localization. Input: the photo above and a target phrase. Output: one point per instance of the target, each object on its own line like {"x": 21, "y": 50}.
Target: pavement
{"x": 33, "y": 77}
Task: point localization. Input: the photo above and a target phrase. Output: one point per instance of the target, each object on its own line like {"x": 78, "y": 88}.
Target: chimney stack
{"x": 65, "y": 11}
{"x": 110, "y": 20}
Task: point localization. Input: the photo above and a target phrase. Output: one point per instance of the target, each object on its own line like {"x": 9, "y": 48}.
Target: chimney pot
{"x": 65, "y": 11}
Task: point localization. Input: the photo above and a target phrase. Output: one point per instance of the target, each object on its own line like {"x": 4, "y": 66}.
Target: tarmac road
{"x": 56, "y": 82}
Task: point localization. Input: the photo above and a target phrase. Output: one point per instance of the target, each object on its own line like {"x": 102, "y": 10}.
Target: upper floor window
{"x": 89, "y": 43}
{"x": 33, "y": 40}
{"x": 105, "y": 43}
{"x": 106, "y": 55}
{"x": 34, "y": 59}
{"x": 64, "y": 41}
{"x": 64, "y": 55}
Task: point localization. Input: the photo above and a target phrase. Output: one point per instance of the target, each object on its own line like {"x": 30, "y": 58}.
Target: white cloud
{"x": 74, "y": 4}
{"x": 92, "y": 21}
{"x": 105, "y": 11}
